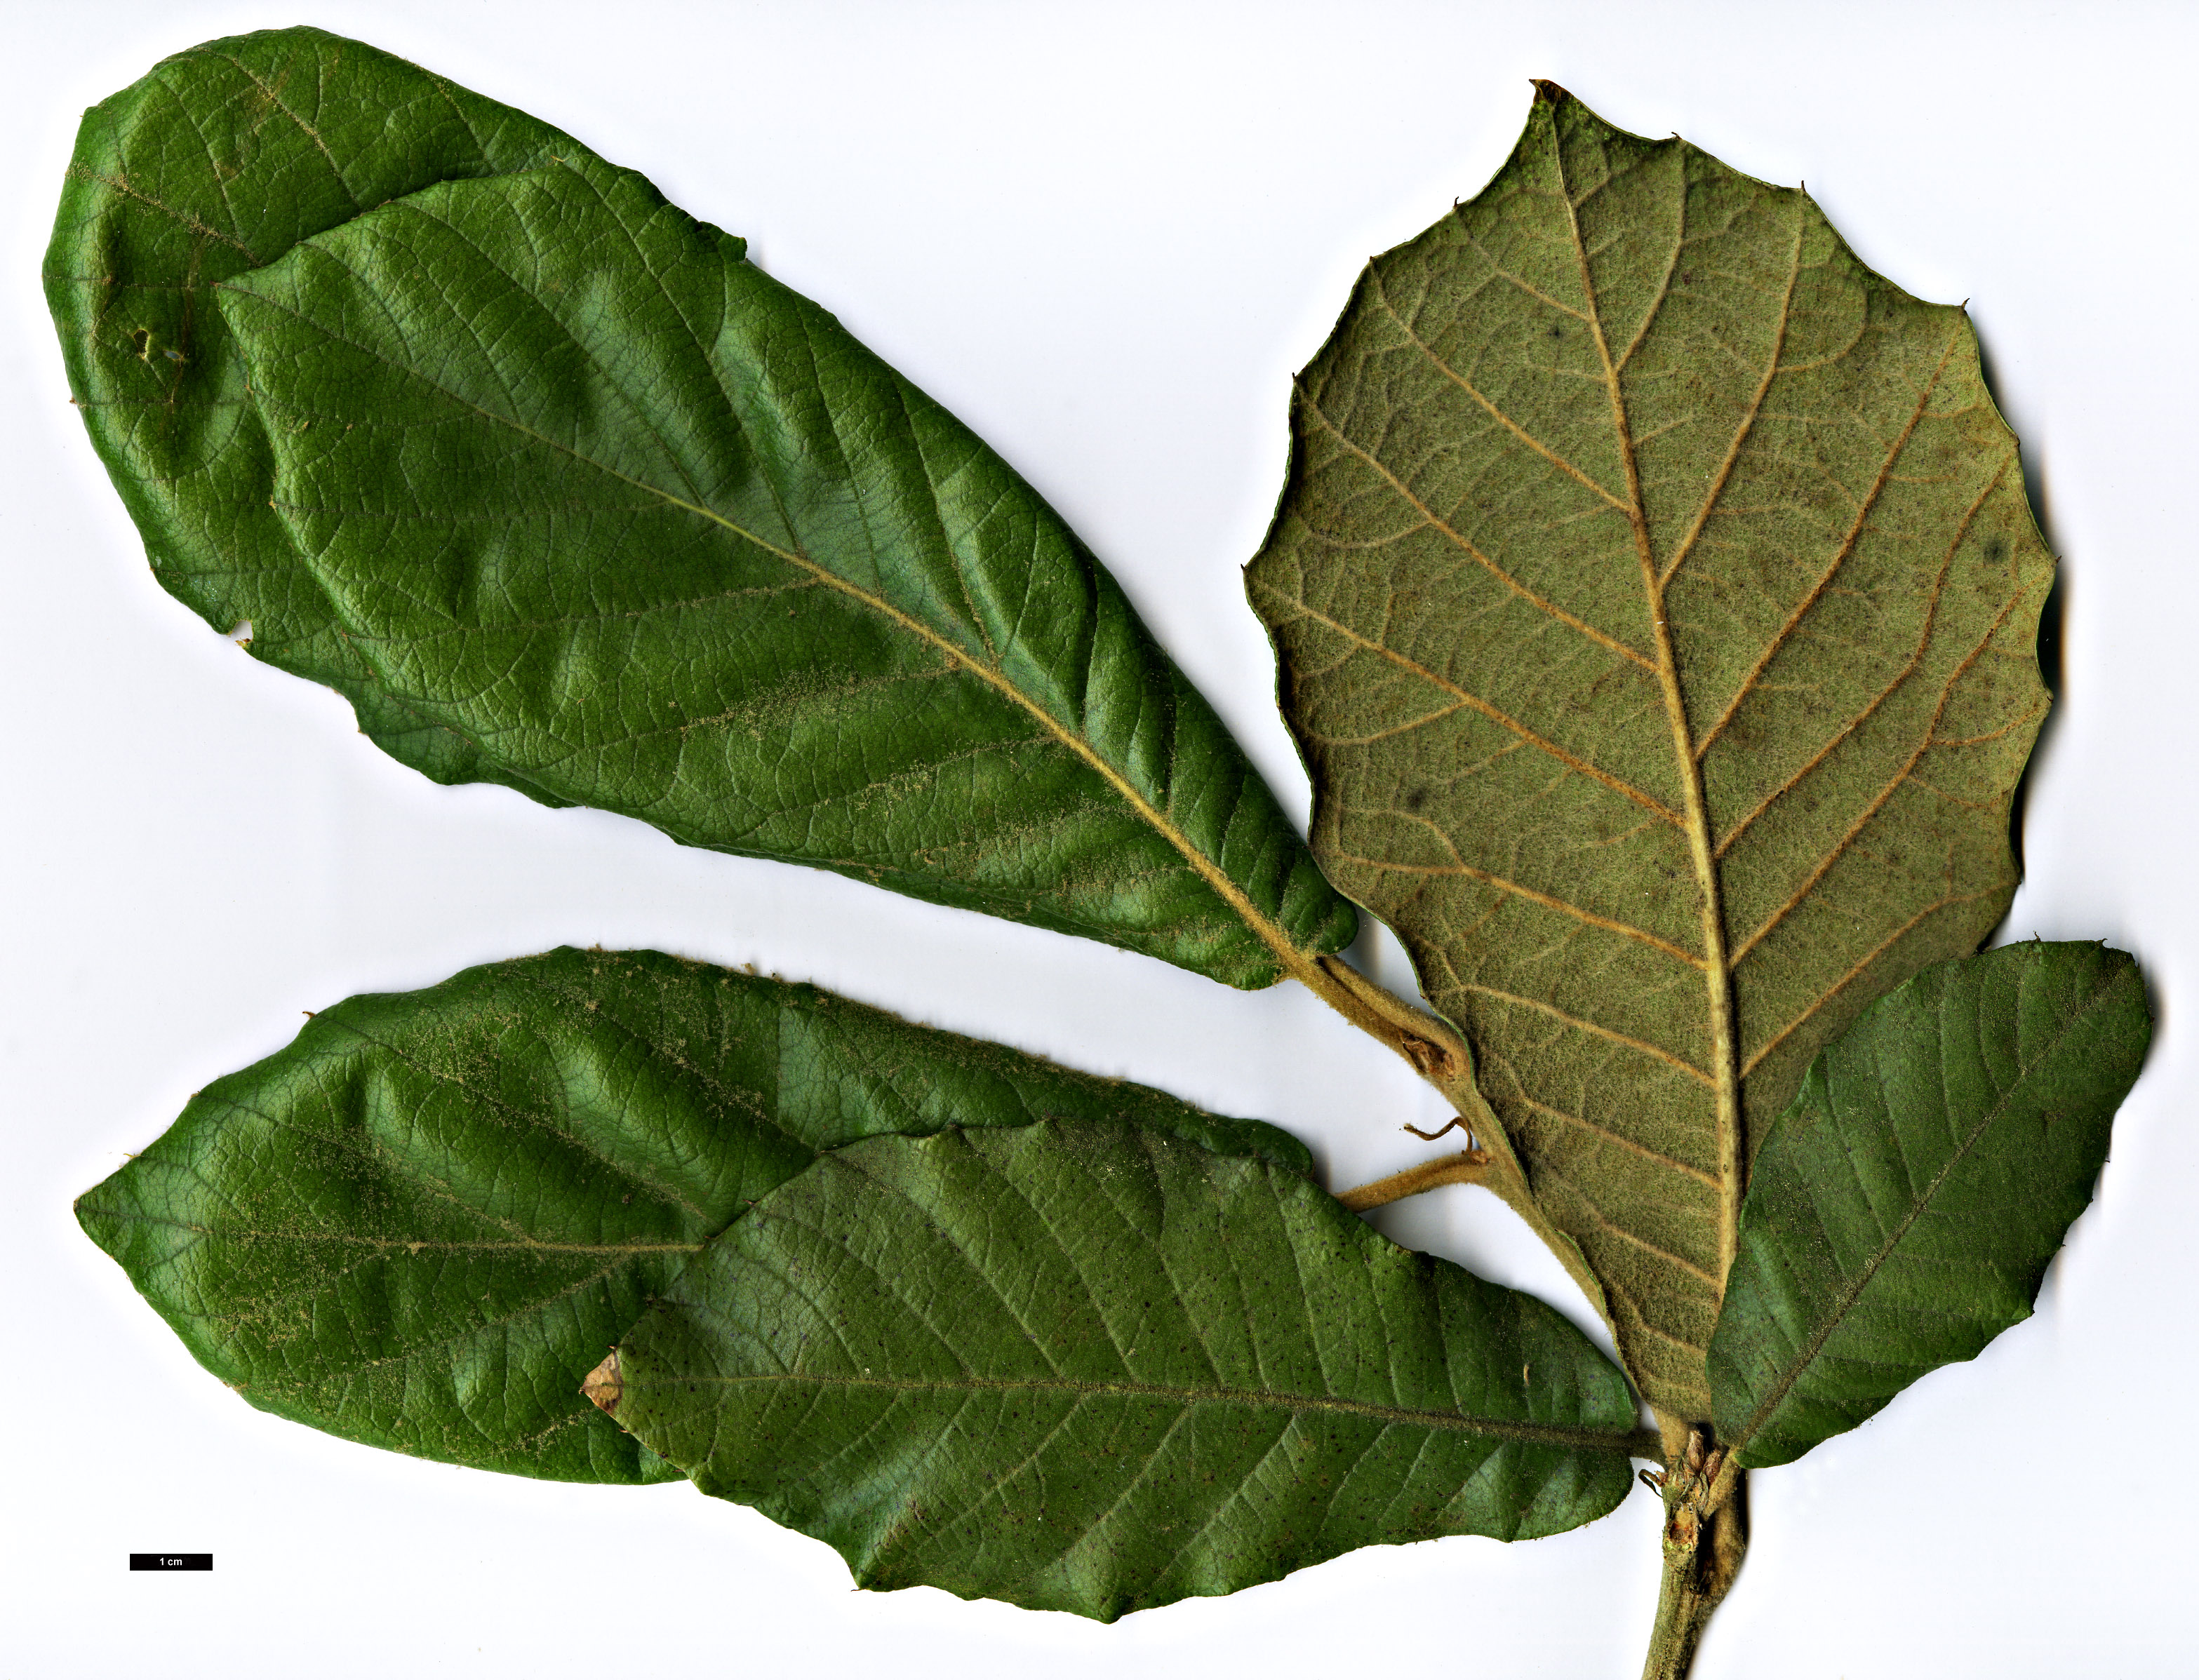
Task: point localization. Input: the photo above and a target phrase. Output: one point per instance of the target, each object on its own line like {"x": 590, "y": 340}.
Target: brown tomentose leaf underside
{"x": 1656, "y": 597}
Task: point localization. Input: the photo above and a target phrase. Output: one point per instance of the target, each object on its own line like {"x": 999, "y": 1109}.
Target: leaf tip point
{"x": 604, "y": 1386}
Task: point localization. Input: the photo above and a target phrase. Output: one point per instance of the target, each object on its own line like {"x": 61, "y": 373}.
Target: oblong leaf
{"x": 1656, "y": 597}
{"x": 1083, "y": 1367}
{"x": 1903, "y": 1212}
{"x": 568, "y": 495}
{"x": 422, "y": 1221}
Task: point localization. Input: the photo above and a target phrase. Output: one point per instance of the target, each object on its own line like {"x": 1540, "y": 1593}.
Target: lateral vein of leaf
{"x": 1915, "y": 658}
{"x": 1161, "y": 1258}
{"x": 989, "y": 1484}
{"x": 1707, "y": 1179}
{"x": 1840, "y": 556}
{"x": 312, "y": 133}
{"x": 1590, "y": 1205}
{"x": 1131, "y": 1483}
{"x": 1588, "y": 917}
{"x": 1717, "y": 968}
{"x": 1552, "y": 1009}
{"x": 214, "y": 164}
{"x": 439, "y": 1246}
{"x": 1672, "y": 267}
{"x": 1925, "y": 744}
{"x": 958, "y": 562}
{"x": 1223, "y": 1506}
{"x": 366, "y": 1149}
{"x": 1301, "y": 1295}
{"x": 580, "y": 1417}
{"x": 465, "y": 120}
{"x": 1948, "y": 902}
{"x": 746, "y": 1102}
{"x": 1547, "y": 608}
{"x": 525, "y": 1116}
{"x": 627, "y": 399}
{"x": 1747, "y": 420}
{"x": 2037, "y": 711}
{"x": 1498, "y": 269}
{"x": 1641, "y": 1321}
{"x": 1618, "y": 785}
{"x": 1424, "y": 721}
{"x": 523, "y": 1309}
{"x": 912, "y": 1515}
{"x": 1612, "y": 1440}
{"x": 938, "y": 1223}
{"x": 1846, "y": 1297}
{"x": 118, "y": 185}
{"x": 1294, "y": 961}
{"x": 1382, "y": 296}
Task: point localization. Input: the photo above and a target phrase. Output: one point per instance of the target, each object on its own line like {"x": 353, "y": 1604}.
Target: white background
{"x": 1105, "y": 234}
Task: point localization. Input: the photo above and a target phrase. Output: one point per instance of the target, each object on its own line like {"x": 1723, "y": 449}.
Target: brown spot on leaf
{"x": 604, "y": 1386}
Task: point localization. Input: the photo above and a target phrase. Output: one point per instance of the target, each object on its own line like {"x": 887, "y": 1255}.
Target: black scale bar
{"x": 172, "y": 1560}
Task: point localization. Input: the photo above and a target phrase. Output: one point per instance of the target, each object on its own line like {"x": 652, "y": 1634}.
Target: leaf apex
{"x": 604, "y": 1386}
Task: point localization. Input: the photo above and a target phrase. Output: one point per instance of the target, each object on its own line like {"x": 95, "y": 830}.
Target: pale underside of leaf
{"x": 1656, "y": 595}
{"x": 1903, "y": 1212}
{"x": 758, "y": 592}
{"x": 422, "y": 1221}
{"x": 1095, "y": 1370}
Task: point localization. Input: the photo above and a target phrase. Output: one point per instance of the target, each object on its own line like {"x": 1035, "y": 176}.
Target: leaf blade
{"x": 421, "y": 1223}
{"x": 978, "y": 718}
{"x": 1163, "y": 1375}
{"x": 1905, "y": 1207}
{"x": 1654, "y": 598}
{"x": 220, "y": 157}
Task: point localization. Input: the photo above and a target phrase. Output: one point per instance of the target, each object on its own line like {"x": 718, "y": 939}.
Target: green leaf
{"x": 220, "y": 159}
{"x": 1656, "y": 598}
{"x": 568, "y": 495}
{"x": 1084, "y": 1368}
{"x": 419, "y": 1224}
{"x": 1903, "y": 1212}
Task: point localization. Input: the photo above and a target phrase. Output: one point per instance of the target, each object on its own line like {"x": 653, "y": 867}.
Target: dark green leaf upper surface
{"x": 221, "y": 158}
{"x": 1084, "y": 1368}
{"x": 1656, "y": 597}
{"x": 423, "y": 1221}
{"x": 566, "y": 494}
{"x": 1903, "y": 1212}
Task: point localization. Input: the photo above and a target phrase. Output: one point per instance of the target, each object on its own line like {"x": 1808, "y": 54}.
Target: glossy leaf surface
{"x": 424, "y": 1221}
{"x": 536, "y": 465}
{"x": 1084, "y": 1368}
{"x": 1903, "y": 1212}
{"x": 1656, "y": 597}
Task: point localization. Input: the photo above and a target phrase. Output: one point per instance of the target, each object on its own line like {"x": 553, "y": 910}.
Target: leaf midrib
{"x": 1632, "y": 1441}
{"x": 1844, "y": 1301}
{"x": 436, "y": 1246}
{"x": 1717, "y": 968}
{"x": 1293, "y": 961}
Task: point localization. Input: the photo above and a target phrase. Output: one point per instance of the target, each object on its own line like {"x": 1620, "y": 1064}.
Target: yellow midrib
{"x": 1717, "y": 969}
{"x": 1269, "y": 933}
{"x": 1294, "y": 962}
